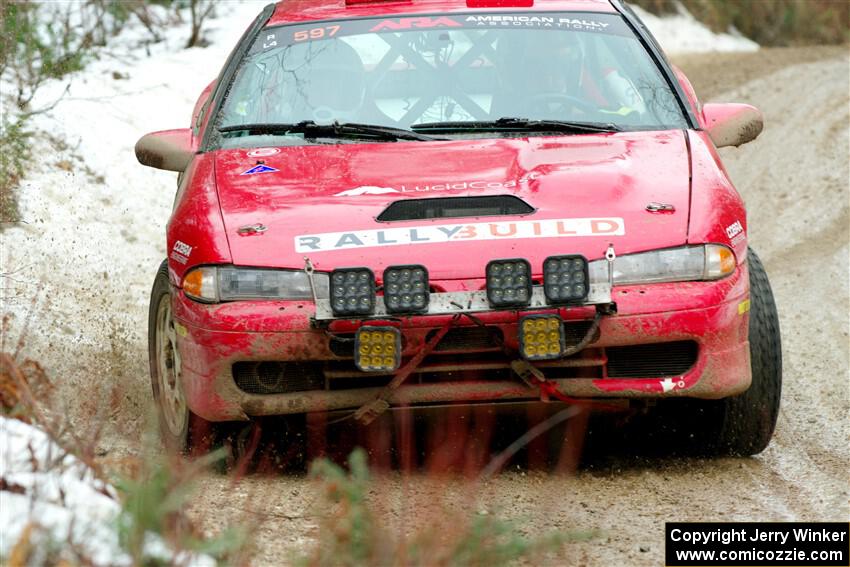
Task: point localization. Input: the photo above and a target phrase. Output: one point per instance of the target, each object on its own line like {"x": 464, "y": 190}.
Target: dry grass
{"x": 768, "y": 22}
{"x": 14, "y": 139}
{"x": 353, "y": 528}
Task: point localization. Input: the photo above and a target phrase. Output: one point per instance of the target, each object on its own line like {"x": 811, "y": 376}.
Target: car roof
{"x": 299, "y": 11}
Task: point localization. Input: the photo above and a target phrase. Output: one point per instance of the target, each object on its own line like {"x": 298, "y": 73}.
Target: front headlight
{"x": 228, "y": 283}
{"x": 691, "y": 263}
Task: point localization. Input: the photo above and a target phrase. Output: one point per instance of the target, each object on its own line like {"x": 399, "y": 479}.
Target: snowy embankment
{"x": 77, "y": 271}
{"x": 55, "y": 502}
{"x": 93, "y": 220}
{"x": 46, "y": 486}
{"x": 682, "y": 33}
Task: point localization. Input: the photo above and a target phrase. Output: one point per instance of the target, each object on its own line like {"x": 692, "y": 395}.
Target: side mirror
{"x": 732, "y": 124}
{"x": 170, "y": 150}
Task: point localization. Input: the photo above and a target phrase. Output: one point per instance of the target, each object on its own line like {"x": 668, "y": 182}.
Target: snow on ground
{"x": 682, "y": 33}
{"x": 56, "y": 488}
{"x": 52, "y": 489}
{"x": 95, "y": 219}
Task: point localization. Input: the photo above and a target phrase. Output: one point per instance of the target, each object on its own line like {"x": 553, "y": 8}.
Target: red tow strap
{"x": 367, "y": 413}
{"x": 548, "y": 389}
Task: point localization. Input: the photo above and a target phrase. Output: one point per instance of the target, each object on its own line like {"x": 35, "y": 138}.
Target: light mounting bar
{"x": 452, "y": 303}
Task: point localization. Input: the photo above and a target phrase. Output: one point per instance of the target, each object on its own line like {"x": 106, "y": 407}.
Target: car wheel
{"x": 179, "y": 427}
{"x": 750, "y": 418}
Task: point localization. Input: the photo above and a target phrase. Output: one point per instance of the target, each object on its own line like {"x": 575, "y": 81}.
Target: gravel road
{"x": 794, "y": 179}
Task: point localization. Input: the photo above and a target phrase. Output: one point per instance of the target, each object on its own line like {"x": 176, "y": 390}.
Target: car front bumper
{"x": 713, "y": 315}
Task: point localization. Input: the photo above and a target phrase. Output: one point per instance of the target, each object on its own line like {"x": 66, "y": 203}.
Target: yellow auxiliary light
{"x": 541, "y": 337}
{"x": 377, "y": 349}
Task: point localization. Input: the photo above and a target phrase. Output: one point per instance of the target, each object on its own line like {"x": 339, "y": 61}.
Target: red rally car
{"x": 426, "y": 202}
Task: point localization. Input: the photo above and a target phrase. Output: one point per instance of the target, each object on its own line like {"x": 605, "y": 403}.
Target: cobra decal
{"x": 440, "y": 234}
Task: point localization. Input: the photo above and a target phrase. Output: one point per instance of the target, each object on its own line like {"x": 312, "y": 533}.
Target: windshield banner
{"x": 279, "y": 36}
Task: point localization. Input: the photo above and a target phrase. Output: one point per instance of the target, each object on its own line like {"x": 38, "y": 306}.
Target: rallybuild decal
{"x": 439, "y": 234}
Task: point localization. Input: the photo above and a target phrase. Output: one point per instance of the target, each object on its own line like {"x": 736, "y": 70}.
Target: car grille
{"x": 574, "y": 332}
{"x": 270, "y": 377}
{"x": 470, "y": 349}
{"x": 342, "y": 345}
{"x": 454, "y": 207}
{"x": 468, "y": 338}
{"x": 650, "y": 361}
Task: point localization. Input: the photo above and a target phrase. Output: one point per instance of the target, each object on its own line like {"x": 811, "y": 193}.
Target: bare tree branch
{"x": 200, "y": 10}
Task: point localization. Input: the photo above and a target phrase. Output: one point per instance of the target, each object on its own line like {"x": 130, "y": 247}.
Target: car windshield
{"x": 452, "y": 74}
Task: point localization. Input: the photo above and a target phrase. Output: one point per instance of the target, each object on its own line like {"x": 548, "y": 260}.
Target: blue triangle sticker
{"x": 259, "y": 169}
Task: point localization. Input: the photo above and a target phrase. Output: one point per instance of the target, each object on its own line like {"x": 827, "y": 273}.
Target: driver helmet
{"x": 541, "y": 62}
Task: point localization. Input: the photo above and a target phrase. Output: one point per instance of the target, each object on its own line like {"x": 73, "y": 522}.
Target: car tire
{"x": 181, "y": 431}
{"x": 750, "y": 418}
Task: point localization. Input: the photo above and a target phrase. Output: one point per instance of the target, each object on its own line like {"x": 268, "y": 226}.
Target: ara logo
{"x": 259, "y": 169}
{"x": 408, "y": 23}
{"x": 366, "y": 190}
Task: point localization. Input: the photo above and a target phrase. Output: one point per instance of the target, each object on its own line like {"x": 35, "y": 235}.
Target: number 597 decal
{"x": 315, "y": 33}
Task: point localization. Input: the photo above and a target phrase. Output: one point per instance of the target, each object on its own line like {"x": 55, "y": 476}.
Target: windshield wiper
{"x": 517, "y": 125}
{"x": 334, "y": 130}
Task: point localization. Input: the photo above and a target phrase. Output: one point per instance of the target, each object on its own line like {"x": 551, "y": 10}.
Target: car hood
{"x": 283, "y": 204}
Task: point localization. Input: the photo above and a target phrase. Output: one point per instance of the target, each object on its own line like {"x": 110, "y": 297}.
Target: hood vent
{"x": 454, "y": 207}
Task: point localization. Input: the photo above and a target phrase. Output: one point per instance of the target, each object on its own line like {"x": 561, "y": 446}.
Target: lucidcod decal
{"x": 439, "y": 234}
